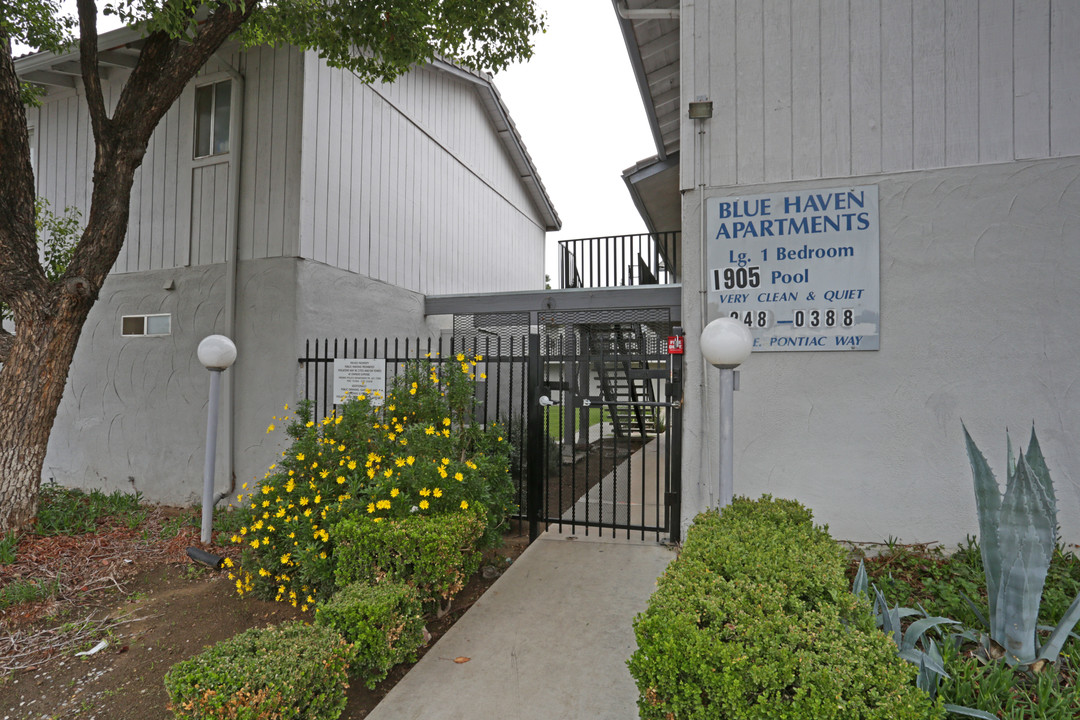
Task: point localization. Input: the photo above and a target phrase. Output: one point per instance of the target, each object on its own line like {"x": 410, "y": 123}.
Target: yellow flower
{"x": 303, "y": 501}
{"x": 429, "y": 431}
{"x": 446, "y": 422}
{"x": 318, "y": 499}
{"x": 310, "y": 423}
{"x": 388, "y": 472}
{"x": 340, "y": 480}
{"x": 460, "y": 357}
{"x": 437, "y": 492}
{"x": 227, "y": 562}
{"x": 394, "y": 493}
{"x": 464, "y": 504}
{"x": 446, "y": 461}
{"x": 371, "y": 473}
{"x": 271, "y": 428}
{"x": 383, "y": 504}
{"x": 410, "y": 460}
{"x": 300, "y": 457}
{"x": 352, "y": 464}
{"x": 423, "y": 504}
{"x": 424, "y": 492}
{"x": 255, "y": 543}
{"x": 371, "y": 507}
{"x": 459, "y": 477}
{"x": 470, "y": 464}
{"x": 400, "y": 462}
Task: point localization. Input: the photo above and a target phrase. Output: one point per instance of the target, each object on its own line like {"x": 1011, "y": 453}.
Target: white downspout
{"x": 236, "y": 125}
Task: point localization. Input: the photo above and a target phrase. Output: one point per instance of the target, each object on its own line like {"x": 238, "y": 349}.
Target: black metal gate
{"x": 591, "y": 400}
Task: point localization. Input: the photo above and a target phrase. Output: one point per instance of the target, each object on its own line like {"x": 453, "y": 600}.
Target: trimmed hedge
{"x": 288, "y": 672}
{"x": 384, "y": 623}
{"x": 754, "y": 620}
{"x": 436, "y": 554}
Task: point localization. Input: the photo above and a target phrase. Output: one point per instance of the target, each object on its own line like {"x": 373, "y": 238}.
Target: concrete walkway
{"x": 548, "y": 641}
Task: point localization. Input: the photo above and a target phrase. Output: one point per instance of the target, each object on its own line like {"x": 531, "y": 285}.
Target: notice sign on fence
{"x": 360, "y": 377}
{"x": 799, "y": 268}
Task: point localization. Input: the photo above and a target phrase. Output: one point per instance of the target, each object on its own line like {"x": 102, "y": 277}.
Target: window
{"x": 132, "y": 325}
{"x": 212, "y": 106}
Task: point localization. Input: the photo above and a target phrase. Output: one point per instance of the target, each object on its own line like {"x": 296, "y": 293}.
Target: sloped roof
{"x": 650, "y": 29}
{"x": 119, "y": 49}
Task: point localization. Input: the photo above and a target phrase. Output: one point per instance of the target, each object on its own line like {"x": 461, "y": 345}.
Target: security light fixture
{"x": 701, "y": 110}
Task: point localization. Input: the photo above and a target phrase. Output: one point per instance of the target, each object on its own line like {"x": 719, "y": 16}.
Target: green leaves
{"x": 37, "y": 23}
{"x": 382, "y": 39}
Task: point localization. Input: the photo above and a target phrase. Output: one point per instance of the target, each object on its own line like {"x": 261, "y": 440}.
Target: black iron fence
{"x": 619, "y": 260}
{"x": 593, "y": 422}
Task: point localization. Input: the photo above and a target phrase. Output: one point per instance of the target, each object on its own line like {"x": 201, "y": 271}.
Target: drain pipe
{"x": 236, "y": 145}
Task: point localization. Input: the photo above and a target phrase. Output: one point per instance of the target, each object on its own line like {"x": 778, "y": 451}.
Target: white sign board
{"x": 360, "y": 377}
{"x": 799, "y": 268}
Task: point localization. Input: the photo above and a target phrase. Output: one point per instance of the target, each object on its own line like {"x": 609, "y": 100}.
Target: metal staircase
{"x": 619, "y": 356}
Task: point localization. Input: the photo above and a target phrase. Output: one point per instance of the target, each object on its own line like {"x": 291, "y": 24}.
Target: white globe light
{"x": 217, "y": 352}
{"x": 726, "y": 342}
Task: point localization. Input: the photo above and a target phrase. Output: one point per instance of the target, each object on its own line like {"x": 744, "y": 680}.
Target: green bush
{"x": 291, "y": 671}
{"x": 384, "y": 622}
{"x": 417, "y": 453}
{"x": 754, "y": 620}
{"x": 435, "y": 554}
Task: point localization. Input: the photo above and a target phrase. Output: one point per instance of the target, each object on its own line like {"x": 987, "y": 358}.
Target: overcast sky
{"x": 577, "y": 107}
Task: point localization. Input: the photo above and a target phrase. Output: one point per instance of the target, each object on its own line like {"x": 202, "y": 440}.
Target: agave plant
{"x": 1017, "y": 538}
{"x": 914, "y": 643}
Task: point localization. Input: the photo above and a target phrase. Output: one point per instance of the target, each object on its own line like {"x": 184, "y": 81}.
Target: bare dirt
{"x": 153, "y": 607}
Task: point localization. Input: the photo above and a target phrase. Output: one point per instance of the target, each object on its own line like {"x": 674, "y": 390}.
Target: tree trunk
{"x": 31, "y": 386}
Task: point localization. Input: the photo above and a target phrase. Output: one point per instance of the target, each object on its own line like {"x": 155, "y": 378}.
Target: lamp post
{"x": 216, "y": 353}
{"x": 726, "y": 343}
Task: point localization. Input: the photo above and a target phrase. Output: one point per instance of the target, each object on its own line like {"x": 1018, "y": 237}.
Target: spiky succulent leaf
{"x": 1069, "y": 620}
{"x": 1037, "y": 463}
{"x": 1026, "y": 544}
{"x": 858, "y": 587}
{"x": 988, "y": 504}
{"x": 917, "y": 629}
{"x": 970, "y": 712}
{"x": 921, "y": 659}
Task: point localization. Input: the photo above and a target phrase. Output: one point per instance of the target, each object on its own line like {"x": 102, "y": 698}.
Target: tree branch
{"x": 19, "y": 267}
{"x": 91, "y": 75}
{"x": 167, "y": 65}
{"x": 6, "y": 341}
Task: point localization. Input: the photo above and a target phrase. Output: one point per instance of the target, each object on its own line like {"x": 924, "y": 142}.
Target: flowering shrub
{"x": 417, "y": 453}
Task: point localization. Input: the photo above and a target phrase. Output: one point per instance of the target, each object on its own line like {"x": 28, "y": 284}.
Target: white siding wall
{"x": 408, "y": 184}
{"x": 836, "y": 88}
{"x": 179, "y": 209}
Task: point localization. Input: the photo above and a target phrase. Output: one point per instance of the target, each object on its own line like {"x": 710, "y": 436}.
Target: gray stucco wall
{"x": 134, "y": 413}
{"x": 979, "y": 322}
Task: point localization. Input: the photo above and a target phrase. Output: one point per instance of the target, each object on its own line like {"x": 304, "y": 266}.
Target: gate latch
{"x": 546, "y": 401}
